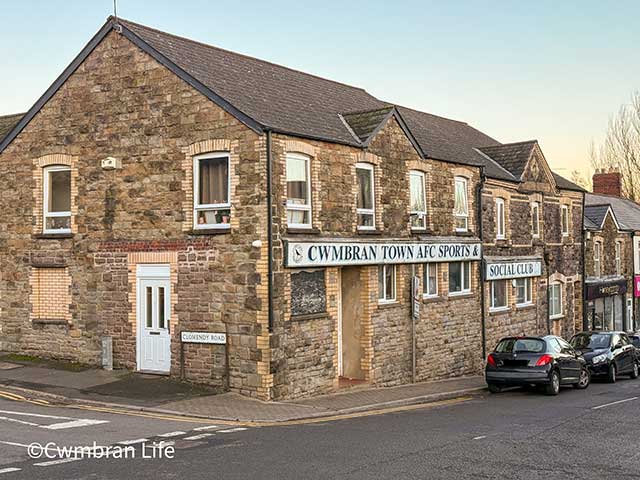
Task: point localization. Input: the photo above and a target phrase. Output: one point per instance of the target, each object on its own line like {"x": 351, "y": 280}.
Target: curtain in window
{"x": 214, "y": 178}
{"x": 365, "y": 194}
{"x": 297, "y": 181}
{"x": 461, "y": 199}
{"x": 417, "y": 193}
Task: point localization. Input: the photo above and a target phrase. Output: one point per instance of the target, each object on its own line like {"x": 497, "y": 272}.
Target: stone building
{"x": 241, "y": 224}
{"x": 611, "y": 256}
{"x": 532, "y": 245}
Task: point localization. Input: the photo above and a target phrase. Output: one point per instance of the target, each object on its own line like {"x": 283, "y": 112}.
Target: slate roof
{"x": 511, "y": 156}
{"x": 264, "y": 95}
{"x": 7, "y": 122}
{"x": 565, "y": 184}
{"x": 596, "y": 215}
{"x": 627, "y": 212}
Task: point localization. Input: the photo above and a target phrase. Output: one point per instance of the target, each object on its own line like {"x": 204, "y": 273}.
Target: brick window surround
{"x": 50, "y": 295}
{"x": 40, "y": 164}
{"x": 198, "y": 148}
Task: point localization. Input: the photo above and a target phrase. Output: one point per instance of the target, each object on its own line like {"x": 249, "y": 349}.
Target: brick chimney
{"x": 607, "y": 182}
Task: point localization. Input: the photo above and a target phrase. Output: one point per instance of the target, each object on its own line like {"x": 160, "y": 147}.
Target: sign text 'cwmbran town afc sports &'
{"x": 325, "y": 254}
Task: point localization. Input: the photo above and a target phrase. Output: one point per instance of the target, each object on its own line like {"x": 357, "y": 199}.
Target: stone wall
{"x": 121, "y": 103}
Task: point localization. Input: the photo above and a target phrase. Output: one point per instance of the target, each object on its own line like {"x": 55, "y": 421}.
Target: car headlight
{"x": 599, "y": 358}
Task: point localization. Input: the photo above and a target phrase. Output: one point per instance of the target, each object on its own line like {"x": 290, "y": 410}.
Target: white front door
{"x": 154, "y": 318}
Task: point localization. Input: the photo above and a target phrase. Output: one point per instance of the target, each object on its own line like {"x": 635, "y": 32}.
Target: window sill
{"x": 556, "y": 317}
{"x": 302, "y": 231}
{"x": 525, "y": 306}
{"x": 309, "y": 316}
{"x": 210, "y": 231}
{"x": 388, "y": 303}
{"x": 49, "y": 321}
{"x": 368, "y": 232}
{"x": 460, "y": 295}
{"x": 432, "y": 298}
{"x": 498, "y": 310}
{"x": 53, "y": 236}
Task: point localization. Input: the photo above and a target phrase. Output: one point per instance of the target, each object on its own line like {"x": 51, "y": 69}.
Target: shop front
{"x": 607, "y": 305}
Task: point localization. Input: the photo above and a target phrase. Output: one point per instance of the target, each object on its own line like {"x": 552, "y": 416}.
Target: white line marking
{"x": 231, "y": 430}
{"x": 133, "y": 442}
{"x": 10, "y": 469}
{"x": 614, "y": 403}
{"x": 55, "y": 462}
{"x": 171, "y": 434}
{"x": 480, "y": 437}
{"x": 207, "y": 427}
{"x": 199, "y": 437}
{"x": 39, "y": 415}
{"x": 73, "y": 424}
{"x": 15, "y": 420}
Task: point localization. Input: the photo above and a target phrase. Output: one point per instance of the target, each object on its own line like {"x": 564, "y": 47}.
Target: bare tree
{"x": 621, "y": 148}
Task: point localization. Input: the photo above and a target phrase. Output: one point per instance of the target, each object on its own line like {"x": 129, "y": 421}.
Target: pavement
{"x": 517, "y": 434}
{"x": 165, "y": 395}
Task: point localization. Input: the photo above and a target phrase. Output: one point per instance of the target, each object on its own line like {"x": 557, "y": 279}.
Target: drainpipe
{"x": 585, "y": 325}
{"x": 269, "y": 233}
{"x": 546, "y": 257}
{"x": 481, "y": 235}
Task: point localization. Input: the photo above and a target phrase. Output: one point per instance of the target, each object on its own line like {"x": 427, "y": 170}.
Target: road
{"x": 515, "y": 434}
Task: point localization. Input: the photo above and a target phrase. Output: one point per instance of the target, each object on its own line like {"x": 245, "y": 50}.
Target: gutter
{"x": 482, "y": 279}
{"x": 269, "y": 233}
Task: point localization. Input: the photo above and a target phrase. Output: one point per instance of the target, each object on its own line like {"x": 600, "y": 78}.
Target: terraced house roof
{"x": 7, "y": 122}
{"x": 264, "y": 95}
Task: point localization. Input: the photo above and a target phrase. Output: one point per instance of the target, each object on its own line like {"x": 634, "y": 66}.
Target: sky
{"x": 516, "y": 70}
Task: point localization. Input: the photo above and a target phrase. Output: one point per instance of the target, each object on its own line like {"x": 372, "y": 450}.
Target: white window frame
{"x": 299, "y": 207}
{"x": 560, "y": 314}
{"x": 464, "y": 291}
{"x": 382, "y": 298}
{"x": 501, "y": 225}
{"x": 46, "y": 214}
{"x": 535, "y": 220}
{"x": 197, "y": 207}
{"x": 528, "y": 291}
{"x": 465, "y": 183}
{"x": 597, "y": 258}
{"x": 426, "y": 283}
{"x": 564, "y": 214}
{"x": 618, "y": 252}
{"x": 367, "y": 211}
{"x": 499, "y": 308}
{"x": 421, "y": 213}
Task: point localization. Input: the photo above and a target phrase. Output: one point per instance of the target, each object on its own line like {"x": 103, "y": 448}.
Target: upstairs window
{"x": 500, "y": 222}
{"x": 212, "y": 206}
{"x": 418, "y": 200}
{"x": 461, "y": 205}
{"x": 57, "y": 199}
{"x": 564, "y": 220}
{"x": 365, "y": 208}
{"x": 597, "y": 251}
{"x": 298, "y": 191}
{"x": 459, "y": 278}
{"x": 618, "y": 258}
{"x": 535, "y": 219}
{"x": 430, "y": 280}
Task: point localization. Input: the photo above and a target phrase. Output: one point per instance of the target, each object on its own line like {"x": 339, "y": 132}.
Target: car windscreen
{"x": 521, "y": 345}
{"x": 592, "y": 341}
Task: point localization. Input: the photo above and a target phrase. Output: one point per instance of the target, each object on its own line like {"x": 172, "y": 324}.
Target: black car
{"x": 608, "y": 354}
{"x": 543, "y": 361}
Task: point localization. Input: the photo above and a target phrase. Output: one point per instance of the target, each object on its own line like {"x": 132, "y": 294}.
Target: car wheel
{"x": 635, "y": 371}
{"x": 584, "y": 380}
{"x": 612, "y": 374}
{"x": 493, "y": 388}
{"x": 553, "y": 387}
